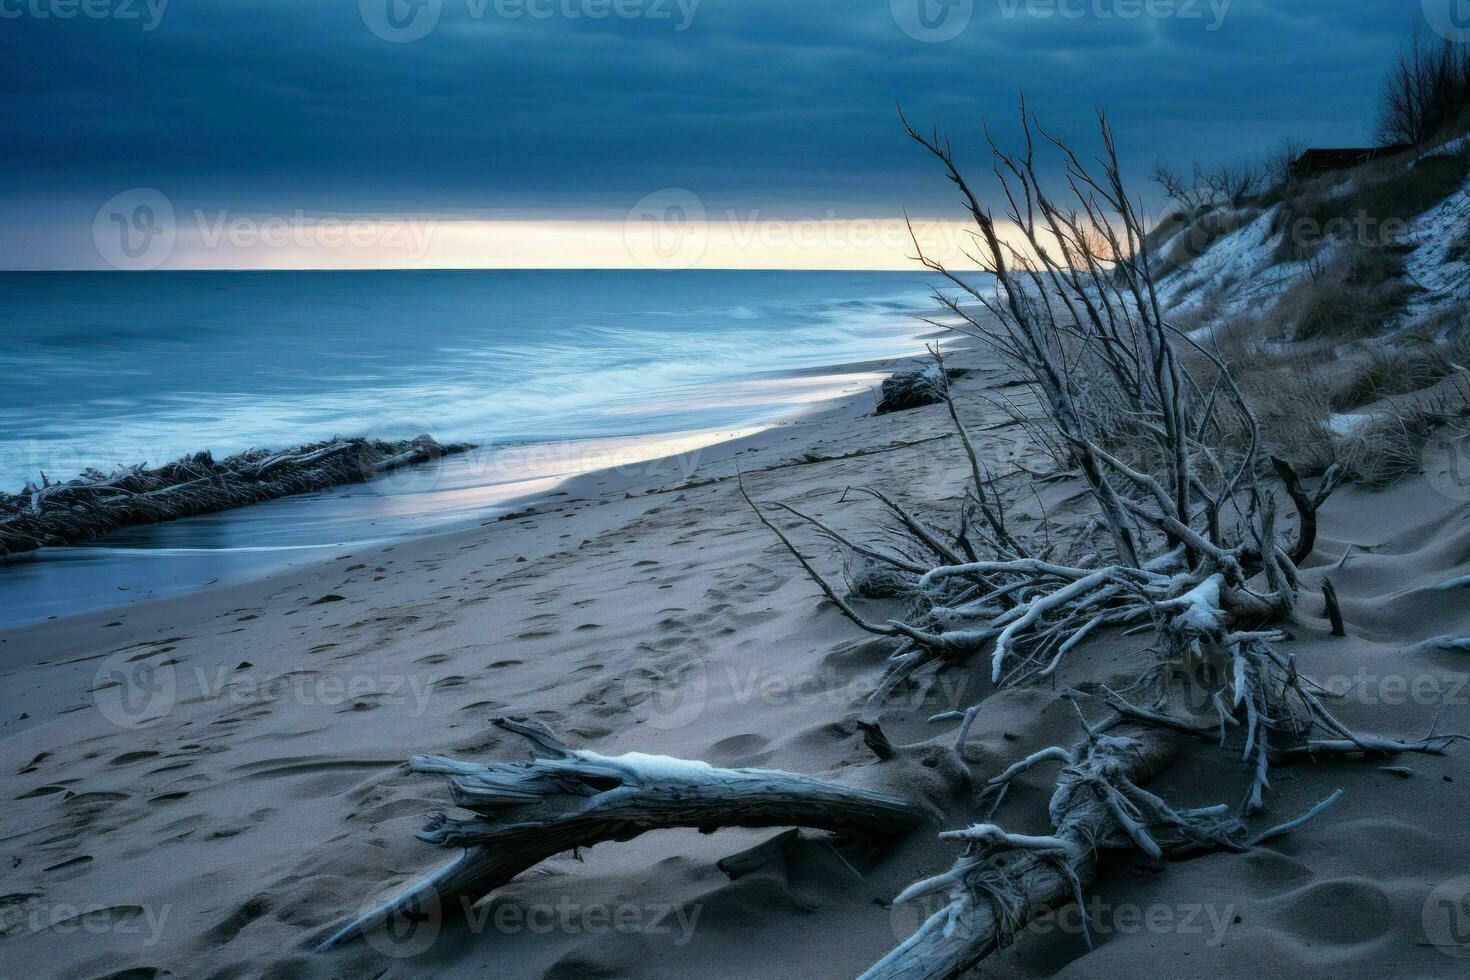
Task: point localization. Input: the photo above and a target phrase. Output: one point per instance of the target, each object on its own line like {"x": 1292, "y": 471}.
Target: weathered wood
{"x": 1334, "y": 609}
{"x": 1004, "y": 881}
{"x": 94, "y": 504}
{"x": 991, "y": 895}
{"x": 755, "y": 858}
{"x": 528, "y": 812}
{"x": 876, "y": 739}
{"x": 1307, "y": 504}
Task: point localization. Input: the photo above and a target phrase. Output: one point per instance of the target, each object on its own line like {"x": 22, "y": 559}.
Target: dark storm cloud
{"x": 784, "y": 106}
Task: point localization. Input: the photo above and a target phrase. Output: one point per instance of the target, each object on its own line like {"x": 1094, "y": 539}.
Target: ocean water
{"x": 553, "y": 373}
{"x": 105, "y": 369}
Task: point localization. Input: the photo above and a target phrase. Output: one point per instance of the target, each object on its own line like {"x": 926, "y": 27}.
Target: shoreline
{"x": 641, "y": 476}
{"x": 484, "y": 484}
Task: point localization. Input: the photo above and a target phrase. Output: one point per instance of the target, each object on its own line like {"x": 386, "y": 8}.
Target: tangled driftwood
{"x": 96, "y": 503}
{"x": 1169, "y": 449}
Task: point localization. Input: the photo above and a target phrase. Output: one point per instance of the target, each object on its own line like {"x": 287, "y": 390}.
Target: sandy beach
{"x": 221, "y": 821}
{"x": 633, "y": 489}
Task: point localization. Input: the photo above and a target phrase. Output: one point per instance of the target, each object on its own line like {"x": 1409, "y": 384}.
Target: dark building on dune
{"x": 1321, "y": 161}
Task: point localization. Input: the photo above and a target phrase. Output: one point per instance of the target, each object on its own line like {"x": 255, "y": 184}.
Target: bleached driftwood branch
{"x": 1167, "y": 445}
{"x": 567, "y": 799}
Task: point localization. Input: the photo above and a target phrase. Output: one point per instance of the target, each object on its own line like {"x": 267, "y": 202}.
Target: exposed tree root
{"x": 570, "y": 799}
{"x": 96, "y": 503}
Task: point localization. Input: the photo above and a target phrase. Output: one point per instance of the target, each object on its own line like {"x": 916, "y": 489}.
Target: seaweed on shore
{"x": 95, "y": 502}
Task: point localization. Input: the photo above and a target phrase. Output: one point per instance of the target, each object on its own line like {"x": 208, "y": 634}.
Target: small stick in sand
{"x": 1334, "y": 610}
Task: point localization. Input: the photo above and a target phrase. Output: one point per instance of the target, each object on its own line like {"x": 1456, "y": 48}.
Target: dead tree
{"x": 1426, "y": 90}
{"x": 1169, "y": 449}
{"x": 1159, "y": 430}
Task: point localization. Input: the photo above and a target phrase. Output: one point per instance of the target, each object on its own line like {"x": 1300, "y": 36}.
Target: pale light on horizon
{"x": 198, "y": 240}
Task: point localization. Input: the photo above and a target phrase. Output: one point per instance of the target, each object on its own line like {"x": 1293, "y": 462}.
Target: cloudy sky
{"x": 529, "y": 131}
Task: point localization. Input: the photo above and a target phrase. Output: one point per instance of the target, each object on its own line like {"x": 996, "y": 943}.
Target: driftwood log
{"x": 571, "y": 799}
{"x": 95, "y": 503}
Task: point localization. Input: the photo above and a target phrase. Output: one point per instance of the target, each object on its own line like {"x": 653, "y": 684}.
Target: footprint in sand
{"x": 484, "y": 706}
{"x": 236, "y": 922}
{"x": 173, "y": 797}
{"x": 738, "y": 749}
{"x": 365, "y": 702}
